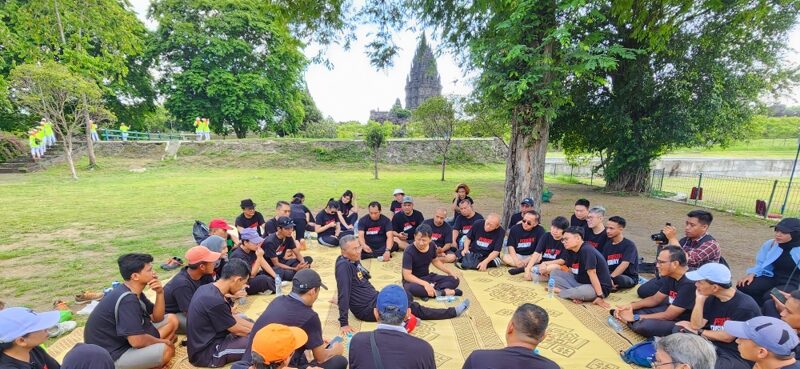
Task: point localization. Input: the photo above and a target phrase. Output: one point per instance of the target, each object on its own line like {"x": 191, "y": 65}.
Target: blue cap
{"x": 408, "y": 199}
{"x": 713, "y": 272}
{"x": 16, "y": 322}
{"x": 250, "y": 234}
{"x": 773, "y": 334}
{"x": 392, "y": 298}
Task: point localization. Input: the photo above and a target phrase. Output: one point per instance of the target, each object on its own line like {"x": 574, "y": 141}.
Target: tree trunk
{"x": 444, "y": 161}
{"x": 60, "y": 26}
{"x": 89, "y": 142}
{"x": 241, "y": 132}
{"x": 376, "y": 163}
{"x": 525, "y": 162}
{"x": 68, "y": 154}
{"x": 628, "y": 177}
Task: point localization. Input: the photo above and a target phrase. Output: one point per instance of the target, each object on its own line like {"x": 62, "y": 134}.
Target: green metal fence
{"x": 116, "y": 135}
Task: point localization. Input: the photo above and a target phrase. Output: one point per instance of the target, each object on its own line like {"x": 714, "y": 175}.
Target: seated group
{"x": 585, "y": 258}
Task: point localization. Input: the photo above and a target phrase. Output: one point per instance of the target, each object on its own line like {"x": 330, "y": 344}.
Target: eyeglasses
{"x": 661, "y": 261}
{"x": 527, "y": 222}
{"x": 656, "y": 365}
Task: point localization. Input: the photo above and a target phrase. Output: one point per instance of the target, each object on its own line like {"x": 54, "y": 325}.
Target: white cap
{"x": 398, "y": 191}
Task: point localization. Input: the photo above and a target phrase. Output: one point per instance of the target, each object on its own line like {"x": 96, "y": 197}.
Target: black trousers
{"x": 286, "y": 274}
{"x": 650, "y": 287}
{"x": 653, "y": 327}
{"x": 366, "y": 313}
{"x": 761, "y": 286}
{"x": 260, "y": 283}
{"x": 441, "y": 282}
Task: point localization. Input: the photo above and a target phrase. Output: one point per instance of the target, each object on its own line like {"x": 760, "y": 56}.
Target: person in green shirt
{"x": 40, "y": 141}
{"x": 206, "y": 130}
{"x": 124, "y": 129}
{"x": 198, "y": 129}
{"x": 34, "y": 145}
{"x": 49, "y": 134}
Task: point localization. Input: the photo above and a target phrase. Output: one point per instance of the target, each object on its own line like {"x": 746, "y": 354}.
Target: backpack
{"x": 641, "y": 354}
{"x": 470, "y": 261}
{"x": 199, "y": 231}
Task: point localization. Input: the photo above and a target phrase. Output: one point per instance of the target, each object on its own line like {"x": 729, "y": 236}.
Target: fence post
{"x": 661, "y": 185}
{"x": 699, "y": 183}
{"x": 771, "y": 195}
{"x": 105, "y": 134}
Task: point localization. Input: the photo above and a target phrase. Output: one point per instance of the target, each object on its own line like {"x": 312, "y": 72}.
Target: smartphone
{"x": 778, "y": 295}
{"x": 334, "y": 341}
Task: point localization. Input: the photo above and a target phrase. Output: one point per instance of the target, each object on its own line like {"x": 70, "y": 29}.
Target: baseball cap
{"x": 219, "y": 223}
{"x": 307, "y": 279}
{"x": 285, "y": 222}
{"x": 392, "y": 298}
{"x": 16, "y": 322}
{"x": 527, "y": 201}
{"x": 714, "y": 272}
{"x": 214, "y": 243}
{"x": 250, "y": 234}
{"x": 773, "y": 334}
{"x": 247, "y": 203}
{"x": 201, "y": 254}
{"x": 277, "y": 341}
{"x": 408, "y": 199}
{"x": 398, "y": 191}
{"x": 788, "y": 225}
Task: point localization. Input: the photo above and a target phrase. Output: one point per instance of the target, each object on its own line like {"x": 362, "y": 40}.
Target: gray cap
{"x": 408, "y": 199}
{"x": 214, "y": 243}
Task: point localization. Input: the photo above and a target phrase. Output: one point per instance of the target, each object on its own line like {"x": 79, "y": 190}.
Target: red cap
{"x": 200, "y": 254}
{"x": 219, "y": 223}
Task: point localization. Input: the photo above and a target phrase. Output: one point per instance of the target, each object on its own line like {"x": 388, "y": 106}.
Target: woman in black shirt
{"x": 327, "y": 225}
{"x": 348, "y": 212}
{"x": 462, "y": 194}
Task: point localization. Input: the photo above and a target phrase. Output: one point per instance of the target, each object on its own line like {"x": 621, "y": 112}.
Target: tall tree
{"x": 233, "y": 61}
{"x": 438, "y": 120}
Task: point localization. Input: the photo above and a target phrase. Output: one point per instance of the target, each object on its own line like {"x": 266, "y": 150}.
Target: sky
{"x": 352, "y": 87}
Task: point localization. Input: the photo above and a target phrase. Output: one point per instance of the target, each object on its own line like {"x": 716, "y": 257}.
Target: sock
{"x": 461, "y": 307}
{"x": 497, "y": 262}
{"x": 515, "y": 271}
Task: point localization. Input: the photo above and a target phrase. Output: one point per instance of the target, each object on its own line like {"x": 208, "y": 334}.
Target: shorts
{"x": 141, "y": 358}
{"x": 524, "y": 258}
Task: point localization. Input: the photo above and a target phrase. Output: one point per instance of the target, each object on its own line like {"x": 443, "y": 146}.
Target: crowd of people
{"x": 40, "y": 138}
{"x": 202, "y": 129}
{"x": 703, "y": 317}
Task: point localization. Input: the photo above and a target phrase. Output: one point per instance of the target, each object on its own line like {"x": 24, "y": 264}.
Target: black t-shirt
{"x": 680, "y": 293}
{"x": 270, "y": 227}
{"x": 179, "y": 290}
{"x": 596, "y": 240}
{"x": 784, "y": 265}
{"x": 104, "y": 330}
{"x": 524, "y": 242}
{"x": 407, "y": 223}
{"x": 483, "y": 242}
{"x": 208, "y": 321}
{"x": 550, "y": 248}
{"x": 396, "y": 207}
{"x": 324, "y": 219}
{"x": 585, "y": 259}
{"x": 509, "y": 357}
{"x": 740, "y": 308}
{"x": 441, "y": 235}
{"x": 400, "y": 349}
{"x": 84, "y": 356}
{"x": 287, "y": 310}
{"x": 575, "y": 222}
{"x": 299, "y": 211}
{"x": 40, "y": 359}
{"x": 354, "y": 289}
{"x": 463, "y": 224}
{"x": 345, "y": 208}
{"x": 255, "y": 222}
{"x": 248, "y": 257}
{"x": 623, "y": 251}
{"x": 515, "y": 219}
{"x": 417, "y": 262}
{"x": 276, "y": 248}
{"x": 375, "y": 231}
{"x": 458, "y": 202}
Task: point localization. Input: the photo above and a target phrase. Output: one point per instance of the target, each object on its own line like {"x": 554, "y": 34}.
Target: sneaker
{"x": 60, "y": 305}
{"x": 172, "y": 264}
{"x": 62, "y": 328}
{"x": 87, "y": 296}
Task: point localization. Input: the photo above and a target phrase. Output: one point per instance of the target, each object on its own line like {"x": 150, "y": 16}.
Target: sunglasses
{"x": 527, "y": 222}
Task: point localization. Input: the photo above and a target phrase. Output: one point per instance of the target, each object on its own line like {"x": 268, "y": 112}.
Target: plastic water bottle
{"x": 614, "y": 324}
{"x": 347, "y": 339}
{"x": 551, "y": 285}
{"x": 278, "y": 290}
{"x": 380, "y": 258}
{"x": 242, "y": 300}
{"x": 446, "y": 298}
{"x": 536, "y": 275}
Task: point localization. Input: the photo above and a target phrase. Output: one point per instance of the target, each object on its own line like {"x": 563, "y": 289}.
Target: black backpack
{"x": 199, "y": 231}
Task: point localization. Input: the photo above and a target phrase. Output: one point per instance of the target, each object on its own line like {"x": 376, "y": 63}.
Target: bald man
{"x": 485, "y": 239}
{"x": 442, "y": 236}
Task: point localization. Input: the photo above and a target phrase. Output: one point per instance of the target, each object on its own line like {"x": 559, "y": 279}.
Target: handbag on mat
{"x": 470, "y": 261}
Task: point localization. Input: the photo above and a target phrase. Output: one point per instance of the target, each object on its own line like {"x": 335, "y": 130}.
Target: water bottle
{"x": 551, "y": 285}
{"x": 380, "y": 258}
{"x": 446, "y": 298}
{"x": 614, "y": 324}
{"x": 536, "y": 275}
{"x": 278, "y": 290}
{"x": 242, "y": 300}
{"x": 347, "y": 339}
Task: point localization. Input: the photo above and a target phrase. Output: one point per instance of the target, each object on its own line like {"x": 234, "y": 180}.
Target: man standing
{"x": 179, "y": 290}
{"x": 522, "y": 241}
{"x": 588, "y": 278}
{"x": 766, "y": 341}
{"x": 442, "y": 236}
{"x": 198, "y": 129}
{"x": 123, "y": 128}
{"x": 277, "y": 244}
{"x": 485, "y": 239}
{"x": 214, "y": 335}
{"x": 262, "y": 276}
{"x": 621, "y": 255}
{"x": 405, "y": 223}
{"x": 464, "y": 223}
{"x": 524, "y": 332}
{"x": 375, "y": 234}
{"x": 417, "y": 278}
{"x": 526, "y": 206}
{"x": 395, "y": 347}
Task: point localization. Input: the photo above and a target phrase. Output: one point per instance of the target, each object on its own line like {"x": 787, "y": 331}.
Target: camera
{"x": 659, "y": 237}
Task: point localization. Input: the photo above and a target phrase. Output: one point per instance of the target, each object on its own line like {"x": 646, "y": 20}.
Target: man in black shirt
{"x": 522, "y": 240}
{"x": 179, "y": 290}
{"x": 464, "y": 223}
{"x": 278, "y": 244}
{"x": 578, "y": 219}
{"x": 375, "y": 234}
{"x": 295, "y": 310}
{"x": 417, "y": 278}
{"x": 86, "y": 356}
{"x": 442, "y": 236}
{"x": 356, "y": 293}
{"x": 250, "y": 218}
{"x": 215, "y": 336}
{"x": 549, "y": 253}
{"x": 327, "y": 225}
{"x": 262, "y": 276}
{"x": 588, "y": 278}
{"x": 282, "y": 209}
{"x": 122, "y": 323}
{"x": 22, "y": 331}
{"x": 621, "y": 255}
{"x": 717, "y": 302}
{"x": 405, "y": 223}
{"x": 485, "y": 239}
{"x": 527, "y": 205}
{"x": 656, "y": 315}
{"x": 396, "y": 348}
{"x": 525, "y": 331}
{"x": 596, "y": 235}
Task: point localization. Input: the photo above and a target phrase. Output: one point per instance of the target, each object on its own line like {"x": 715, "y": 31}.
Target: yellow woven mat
{"x": 578, "y": 335}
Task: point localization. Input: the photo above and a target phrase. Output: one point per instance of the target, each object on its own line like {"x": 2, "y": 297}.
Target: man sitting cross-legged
{"x": 356, "y": 293}
{"x": 485, "y": 239}
{"x": 524, "y": 332}
{"x": 179, "y": 290}
{"x": 215, "y": 335}
{"x": 417, "y": 278}
{"x": 442, "y": 236}
{"x": 278, "y": 244}
{"x": 522, "y": 240}
{"x": 549, "y": 253}
{"x": 621, "y": 255}
{"x": 375, "y": 234}
{"x": 588, "y": 278}
{"x": 405, "y": 223}
{"x": 122, "y": 323}
{"x": 262, "y": 276}
{"x": 656, "y": 315}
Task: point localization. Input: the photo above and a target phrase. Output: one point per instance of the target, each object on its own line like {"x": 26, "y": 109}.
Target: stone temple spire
{"x": 423, "y": 81}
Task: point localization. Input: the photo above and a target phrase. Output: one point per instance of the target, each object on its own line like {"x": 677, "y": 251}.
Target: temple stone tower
{"x": 423, "y": 81}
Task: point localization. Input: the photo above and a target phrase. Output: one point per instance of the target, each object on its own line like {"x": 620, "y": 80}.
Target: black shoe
{"x": 515, "y": 271}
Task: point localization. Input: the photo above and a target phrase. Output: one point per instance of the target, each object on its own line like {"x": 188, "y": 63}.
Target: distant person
{"x": 397, "y": 203}
{"x": 93, "y": 130}
{"x": 526, "y": 330}
{"x": 395, "y": 347}
{"x": 776, "y": 263}
{"x": 417, "y": 277}
{"x": 49, "y": 133}
{"x": 198, "y": 129}
{"x": 461, "y": 194}
{"x": 262, "y": 276}
{"x": 179, "y": 289}
{"x": 405, "y": 223}
{"x": 206, "y": 129}
{"x": 522, "y": 240}
{"x": 327, "y": 225}
{"x": 596, "y": 233}
{"x": 485, "y": 239}
{"x": 375, "y": 234}
{"x": 766, "y": 341}
{"x": 302, "y": 218}
{"x": 588, "y": 278}
{"x": 549, "y": 253}
{"x": 580, "y": 212}
{"x": 688, "y": 350}
{"x": 464, "y": 223}
{"x": 22, "y": 332}
{"x": 34, "y": 144}
{"x": 621, "y": 255}
{"x": 40, "y": 139}
{"x": 442, "y": 236}
{"x": 276, "y": 247}
{"x": 123, "y": 128}
{"x": 282, "y": 209}
{"x": 348, "y": 212}
{"x": 250, "y": 218}
{"x": 516, "y": 218}
{"x": 86, "y": 356}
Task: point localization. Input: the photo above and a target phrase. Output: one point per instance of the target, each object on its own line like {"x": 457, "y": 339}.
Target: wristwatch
{"x": 636, "y": 317}
{"x": 700, "y": 331}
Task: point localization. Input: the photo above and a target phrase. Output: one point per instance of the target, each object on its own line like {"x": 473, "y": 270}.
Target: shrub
{"x": 323, "y": 129}
{"x": 11, "y": 146}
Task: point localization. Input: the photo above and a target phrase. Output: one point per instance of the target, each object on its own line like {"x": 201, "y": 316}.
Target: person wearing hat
{"x": 461, "y": 194}
{"x": 405, "y": 223}
{"x": 485, "y": 239}
{"x": 179, "y": 290}
{"x": 250, "y": 218}
{"x": 717, "y": 302}
{"x": 417, "y": 260}
{"x": 87, "y": 356}
{"x": 525, "y": 206}
{"x": 215, "y": 336}
{"x": 464, "y": 223}
{"x": 522, "y": 240}
{"x": 397, "y": 203}
{"x": 22, "y": 331}
{"x": 442, "y": 236}
{"x": 123, "y": 322}
{"x": 262, "y": 276}
{"x": 295, "y": 310}
{"x": 395, "y": 347}
{"x": 327, "y": 225}
{"x": 524, "y": 332}
{"x": 34, "y": 144}
{"x": 220, "y": 228}
{"x": 549, "y": 253}
{"x": 273, "y": 347}
{"x": 375, "y": 234}
{"x": 776, "y": 263}
{"x": 278, "y": 244}
{"x": 766, "y": 341}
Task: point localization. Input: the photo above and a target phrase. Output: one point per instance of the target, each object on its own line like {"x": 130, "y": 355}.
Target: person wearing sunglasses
{"x": 684, "y": 351}
{"x": 22, "y": 331}
{"x": 522, "y": 240}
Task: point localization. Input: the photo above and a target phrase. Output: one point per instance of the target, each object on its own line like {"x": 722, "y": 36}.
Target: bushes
{"x": 775, "y": 127}
{"x": 323, "y": 129}
{"x": 11, "y": 146}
